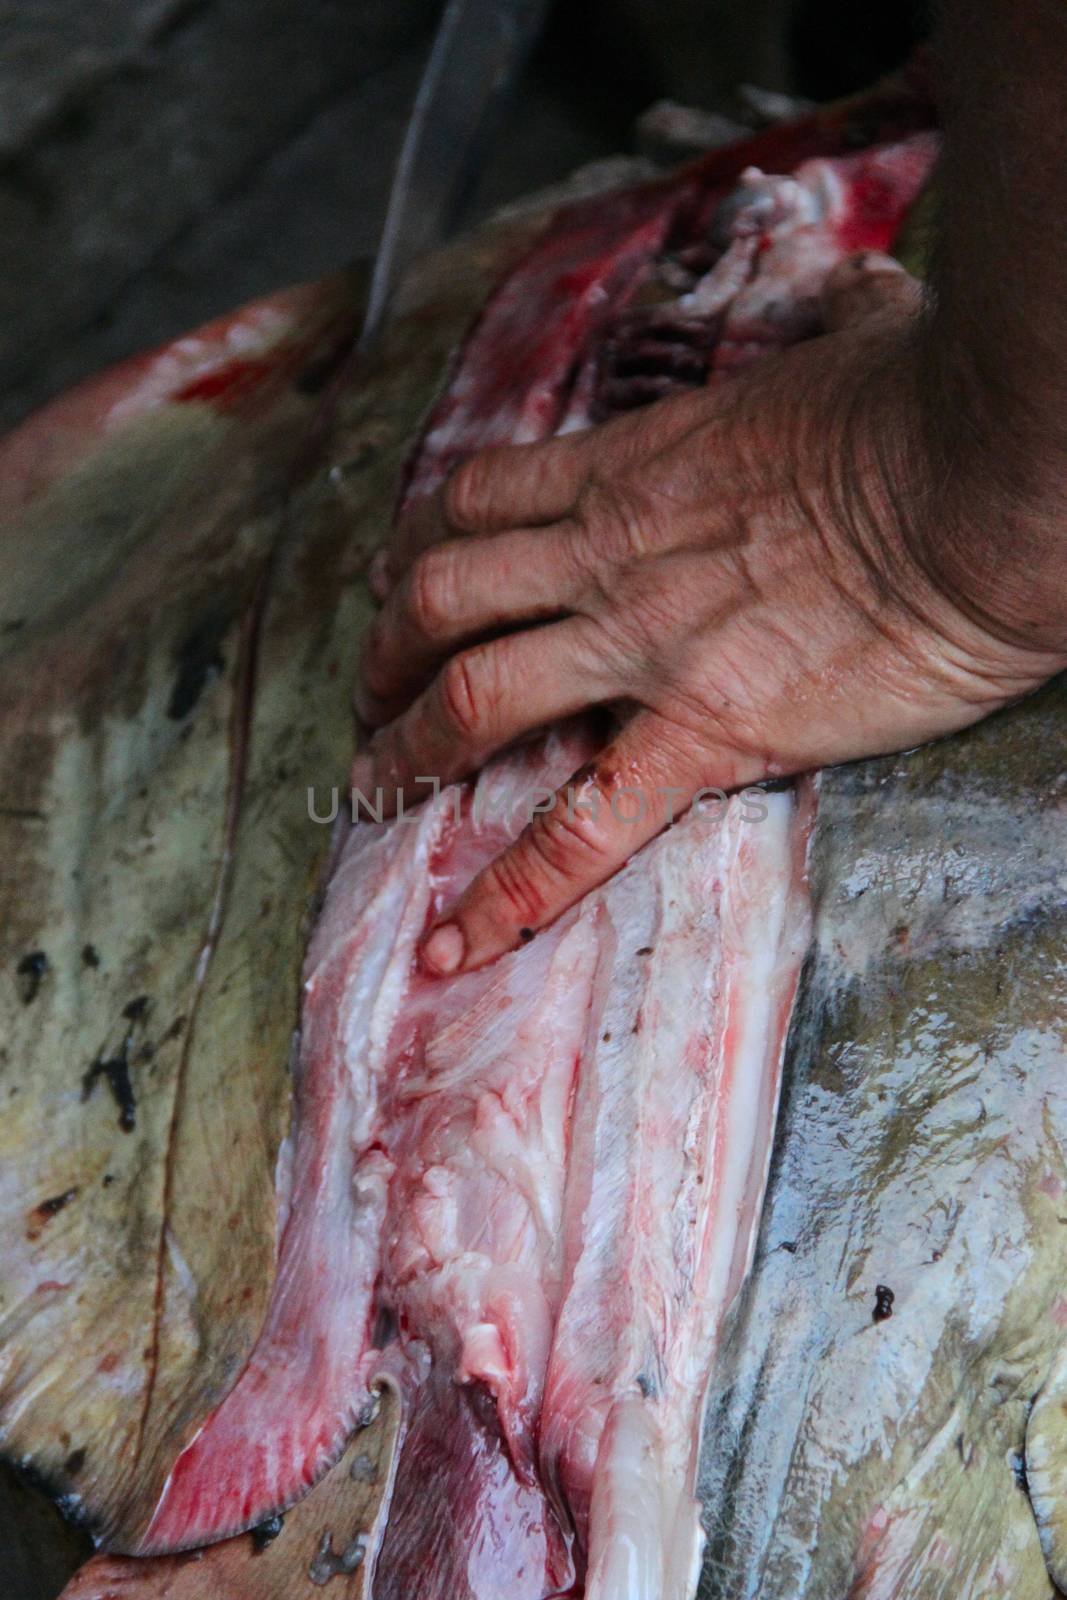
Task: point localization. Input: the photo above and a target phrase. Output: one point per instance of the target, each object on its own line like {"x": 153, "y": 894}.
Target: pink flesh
{"x": 550, "y": 1173}
{"x": 797, "y": 230}
{"x": 260, "y": 345}
{"x": 296, "y": 1401}
{"x": 570, "y": 1148}
{"x": 544, "y": 315}
{"x": 671, "y": 1139}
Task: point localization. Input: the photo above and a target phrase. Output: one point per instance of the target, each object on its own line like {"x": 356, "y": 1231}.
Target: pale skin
{"x": 760, "y": 585}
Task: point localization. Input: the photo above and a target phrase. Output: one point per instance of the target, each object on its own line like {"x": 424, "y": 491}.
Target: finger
{"x": 480, "y": 701}
{"x": 595, "y": 825}
{"x": 865, "y": 284}
{"x": 532, "y": 485}
{"x": 520, "y": 485}
{"x": 455, "y": 592}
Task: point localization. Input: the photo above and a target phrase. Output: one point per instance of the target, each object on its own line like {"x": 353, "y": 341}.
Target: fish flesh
{"x": 547, "y": 1177}
{"x": 544, "y": 1176}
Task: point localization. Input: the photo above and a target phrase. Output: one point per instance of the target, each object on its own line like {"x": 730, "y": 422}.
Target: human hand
{"x": 766, "y": 576}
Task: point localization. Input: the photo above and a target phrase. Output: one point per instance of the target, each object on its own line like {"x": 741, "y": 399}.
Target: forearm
{"x": 997, "y": 335}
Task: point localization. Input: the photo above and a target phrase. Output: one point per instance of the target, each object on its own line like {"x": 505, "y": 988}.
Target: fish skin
{"x": 921, "y": 1146}
{"x": 123, "y": 1316}
{"x": 131, "y": 1344}
{"x": 1045, "y": 1458}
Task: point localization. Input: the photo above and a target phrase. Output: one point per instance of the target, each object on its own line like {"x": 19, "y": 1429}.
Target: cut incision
{"x": 545, "y": 1176}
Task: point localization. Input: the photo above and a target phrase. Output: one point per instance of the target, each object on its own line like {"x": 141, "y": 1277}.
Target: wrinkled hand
{"x": 762, "y": 576}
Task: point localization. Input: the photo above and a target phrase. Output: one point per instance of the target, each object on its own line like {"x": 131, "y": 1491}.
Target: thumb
{"x": 865, "y": 284}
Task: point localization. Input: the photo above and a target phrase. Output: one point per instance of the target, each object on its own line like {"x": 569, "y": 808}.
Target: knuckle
{"x": 541, "y": 875}
{"x": 565, "y": 839}
{"x": 512, "y": 881}
{"x": 617, "y": 520}
{"x": 463, "y": 697}
{"x": 466, "y": 491}
{"x": 432, "y": 589}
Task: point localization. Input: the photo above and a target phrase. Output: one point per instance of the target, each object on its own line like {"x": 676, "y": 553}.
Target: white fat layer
{"x": 687, "y": 1063}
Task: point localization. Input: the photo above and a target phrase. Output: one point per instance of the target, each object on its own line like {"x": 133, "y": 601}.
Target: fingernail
{"x": 442, "y": 952}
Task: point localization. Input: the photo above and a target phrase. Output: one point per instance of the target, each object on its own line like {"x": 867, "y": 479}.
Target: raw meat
{"x": 546, "y": 1176}
{"x": 773, "y": 242}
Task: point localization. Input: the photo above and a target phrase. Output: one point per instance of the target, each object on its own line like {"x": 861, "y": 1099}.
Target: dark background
{"x": 163, "y": 160}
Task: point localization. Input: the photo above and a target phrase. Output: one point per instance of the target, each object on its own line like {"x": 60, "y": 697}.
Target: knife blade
{"x": 478, "y": 52}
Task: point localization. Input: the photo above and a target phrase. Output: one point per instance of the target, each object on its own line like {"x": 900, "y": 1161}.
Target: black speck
{"x": 30, "y": 971}
{"x": 117, "y": 1072}
{"x": 883, "y": 1303}
{"x": 74, "y": 1463}
{"x": 51, "y": 1208}
{"x": 90, "y": 955}
{"x": 1018, "y": 1467}
{"x": 266, "y": 1533}
{"x": 200, "y": 662}
{"x": 116, "y": 1069}
{"x": 109, "y": 1178}
{"x": 526, "y": 934}
{"x": 789, "y": 1246}
{"x": 645, "y": 950}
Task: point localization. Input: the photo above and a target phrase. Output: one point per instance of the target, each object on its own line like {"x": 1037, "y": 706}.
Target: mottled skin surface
{"x": 134, "y": 584}
{"x": 921, "y": 1147}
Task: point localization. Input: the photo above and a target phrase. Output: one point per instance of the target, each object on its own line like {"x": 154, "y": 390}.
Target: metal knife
{"x": 477, "y": 54}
